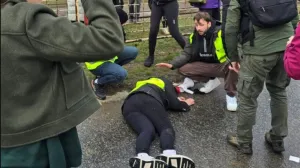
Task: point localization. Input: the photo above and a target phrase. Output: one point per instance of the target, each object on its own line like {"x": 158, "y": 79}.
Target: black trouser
{"x": 214, "y": 13}
{"x": 164, "y": 20}
{"x": 147, "y": 116}
{"x": 170, "y": 11}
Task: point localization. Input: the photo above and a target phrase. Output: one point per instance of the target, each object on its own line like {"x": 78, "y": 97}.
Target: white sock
{"x": 169, "y": 152}
{"x": 144, "y": 156}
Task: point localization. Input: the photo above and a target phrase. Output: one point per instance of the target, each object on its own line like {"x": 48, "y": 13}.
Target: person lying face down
{"x": 145, "y": 110}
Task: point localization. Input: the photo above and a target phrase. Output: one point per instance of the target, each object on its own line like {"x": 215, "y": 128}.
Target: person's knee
{"x": 154, "y": 28}
{"x": 183, "y": 70}
{"x": 150, "y": 132}
{"x": 132, "y": 52}
{"x": 169, "y": 132}
{"x": 121, "y": 74}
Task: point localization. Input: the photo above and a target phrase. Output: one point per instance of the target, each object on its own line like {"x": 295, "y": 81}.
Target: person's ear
{"x": 209, "y": 24}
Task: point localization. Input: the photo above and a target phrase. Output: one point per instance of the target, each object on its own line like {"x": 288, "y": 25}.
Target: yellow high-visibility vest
{"x": 218, "y": 43}
{"x": 154, "y": 81}
{"x": 94, "y": 65}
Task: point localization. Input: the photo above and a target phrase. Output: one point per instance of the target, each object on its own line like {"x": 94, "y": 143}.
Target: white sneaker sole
{"x": 177, "y": 161}
{"x": 233, "y": 109}
{"x": 139, "y": 163}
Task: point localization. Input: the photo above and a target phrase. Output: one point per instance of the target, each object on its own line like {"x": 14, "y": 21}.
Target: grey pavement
{"x": 108, "y": 142}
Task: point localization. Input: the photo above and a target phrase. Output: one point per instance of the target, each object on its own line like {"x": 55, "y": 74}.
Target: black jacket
{"x": 191, "y": 52}
{"x": 203, "y": 49}
{"x": 167, "y": 98}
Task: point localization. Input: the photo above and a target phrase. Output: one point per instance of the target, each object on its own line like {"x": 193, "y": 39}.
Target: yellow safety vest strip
{"x": 218, "y": 43}
{"x": 94, "y": 65}
{"x": 220, "y": 51}
{"x": 154, "y": 81}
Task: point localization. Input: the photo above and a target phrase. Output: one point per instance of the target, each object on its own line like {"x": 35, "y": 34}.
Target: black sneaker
{"x": 277, "y": 145}
{"x": 149, "y": 61}
{"x": 177, "y": 161}
{"x": 245, "y": 148}
{"x": 139, "y": 163}
{"x": 100, "y": 92}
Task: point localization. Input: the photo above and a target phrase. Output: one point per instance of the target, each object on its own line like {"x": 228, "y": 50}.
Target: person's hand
{"x": 290, "y": 40}
{"x": 181, "y": 99}
{"x": 166, "y": 65}
{"x": 234, "y": 66}
{"x": 190, "y": 101}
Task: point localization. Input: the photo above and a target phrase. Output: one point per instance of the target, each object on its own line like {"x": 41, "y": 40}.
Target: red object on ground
{"x": 86, "y": 21}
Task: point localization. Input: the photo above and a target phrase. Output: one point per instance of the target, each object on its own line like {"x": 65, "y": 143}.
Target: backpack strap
{"x": 244, "y": 6}
{"x": 250, "y": 35}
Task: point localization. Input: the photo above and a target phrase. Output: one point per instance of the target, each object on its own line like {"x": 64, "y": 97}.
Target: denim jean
{"x": 110, "y": 72}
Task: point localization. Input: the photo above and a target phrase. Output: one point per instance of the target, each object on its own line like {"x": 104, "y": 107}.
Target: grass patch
{"x": 141, "y": 30}
{"x": 166, "y": 50}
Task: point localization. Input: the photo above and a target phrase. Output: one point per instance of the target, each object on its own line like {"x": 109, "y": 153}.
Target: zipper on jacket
{"x": 204, "y": 43}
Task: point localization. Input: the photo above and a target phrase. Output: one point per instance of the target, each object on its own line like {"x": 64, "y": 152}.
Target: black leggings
{"x": 147, "y": 116}
{"x": 170, "y": 11}
{"x": 164, "y": 20}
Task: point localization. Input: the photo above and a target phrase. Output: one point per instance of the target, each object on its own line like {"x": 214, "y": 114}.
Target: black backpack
{"x": 265, "y": 14}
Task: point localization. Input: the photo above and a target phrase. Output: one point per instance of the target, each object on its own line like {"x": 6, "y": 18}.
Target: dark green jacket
{"x": 44, "y": 92}
{"x": 267, "y": 41}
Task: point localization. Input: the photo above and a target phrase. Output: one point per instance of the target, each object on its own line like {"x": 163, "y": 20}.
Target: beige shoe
{"x": 165, "y": 31}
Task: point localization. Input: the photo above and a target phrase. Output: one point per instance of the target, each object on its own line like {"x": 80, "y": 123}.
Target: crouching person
{"x": 204, "y": 60}
{"x": 145, "y": 110}
{"x": 110, "y": 71}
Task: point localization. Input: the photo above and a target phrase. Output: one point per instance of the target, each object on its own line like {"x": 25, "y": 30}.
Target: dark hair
{"x": 202, "y": 15}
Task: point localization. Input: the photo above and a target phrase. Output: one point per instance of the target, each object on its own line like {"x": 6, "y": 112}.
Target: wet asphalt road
{"x": 108, "y": 142}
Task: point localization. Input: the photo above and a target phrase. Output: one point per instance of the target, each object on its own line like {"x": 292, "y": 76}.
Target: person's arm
{"x": 292, "y": 56}
{"x": 122, "y": 15}
{"x": 231, "y": 26}
{"x": 174, "y": 103}
{"x": 58, "y": 39}
{"x": 183, "y": 58}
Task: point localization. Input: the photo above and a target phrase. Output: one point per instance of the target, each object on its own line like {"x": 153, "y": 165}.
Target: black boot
{"x": 149, "y": 61}
{"x": 275, "y": 142}
{"x": 245, "y": 148}
{"x": 100, "y": 92}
